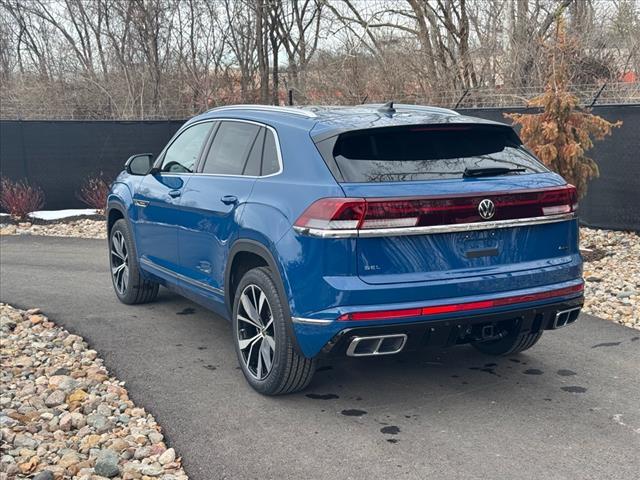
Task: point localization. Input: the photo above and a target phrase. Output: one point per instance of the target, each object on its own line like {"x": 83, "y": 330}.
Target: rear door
{"x": 157, "y": 198}
{"x": 213, "y": 202}
{"x": 428, "y": 220}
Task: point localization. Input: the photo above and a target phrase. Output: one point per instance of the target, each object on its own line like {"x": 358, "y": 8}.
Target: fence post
{"x": 595, "y": 99}
{"x": 464, "y": 95}
{"x": 290, "y": 96}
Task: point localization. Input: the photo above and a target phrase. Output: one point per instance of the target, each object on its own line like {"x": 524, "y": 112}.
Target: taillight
{"x": 368, "y": 214}
{"x": 333, "y": 214}
{"x": 562, "y": 200}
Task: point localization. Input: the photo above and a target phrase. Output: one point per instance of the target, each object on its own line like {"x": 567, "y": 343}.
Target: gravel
{"x": 612, "y": 275}
{"x": 612, "y": 264}
{"x": 62, "y": 414}
{"x": 81, "y": 228}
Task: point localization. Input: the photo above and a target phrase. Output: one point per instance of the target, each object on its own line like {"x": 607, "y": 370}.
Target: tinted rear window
{"x": 424, "y": 152}
{"x": 230, "y": 148}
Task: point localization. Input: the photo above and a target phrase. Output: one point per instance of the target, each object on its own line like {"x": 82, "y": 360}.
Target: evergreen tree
{"x": 563, "y": 131}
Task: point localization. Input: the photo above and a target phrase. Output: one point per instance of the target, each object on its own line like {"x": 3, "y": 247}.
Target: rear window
{"x": 424, "y": 152}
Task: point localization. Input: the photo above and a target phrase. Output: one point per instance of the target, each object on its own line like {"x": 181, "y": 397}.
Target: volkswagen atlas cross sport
{"x": 356, "y": 231}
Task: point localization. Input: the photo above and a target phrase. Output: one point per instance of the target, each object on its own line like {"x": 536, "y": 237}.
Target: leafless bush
{"x": 20, "y": 198}
{"x": 94, "y": 192}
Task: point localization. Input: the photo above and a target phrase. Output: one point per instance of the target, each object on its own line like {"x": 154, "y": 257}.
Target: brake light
{"x": 459, "y": 307}
{"x": 562, "y": 200}
{"x": 333, "y": 214}
{"x": 364, "y": 214}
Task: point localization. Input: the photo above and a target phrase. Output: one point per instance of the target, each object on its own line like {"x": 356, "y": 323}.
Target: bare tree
{"x": 297, "y": 27}
{"x": 163, "y": 58}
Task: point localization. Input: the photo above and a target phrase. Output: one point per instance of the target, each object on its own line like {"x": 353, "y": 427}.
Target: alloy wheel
{"x": 255, "y": 333}
{"x": 119, "y": 262}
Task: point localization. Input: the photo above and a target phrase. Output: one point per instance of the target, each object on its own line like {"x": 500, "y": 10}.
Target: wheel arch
{"x": 114, "y": 213}
{"x": 116, "y": 210}
{"x": 255, "y": 254}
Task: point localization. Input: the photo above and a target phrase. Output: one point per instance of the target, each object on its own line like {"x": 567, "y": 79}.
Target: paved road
{"x": 569, "y": 408}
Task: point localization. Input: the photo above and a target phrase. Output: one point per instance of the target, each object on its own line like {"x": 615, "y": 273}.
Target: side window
{"x": 230, "y": 148}
{"x": 182, "y": 155}
{"x": 270, "y": 162}
{"x": 252, "y": 167}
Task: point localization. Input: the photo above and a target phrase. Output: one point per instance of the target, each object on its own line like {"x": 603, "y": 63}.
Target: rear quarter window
{"x": 424, "y": 152}
{"x": 270, "y": 164}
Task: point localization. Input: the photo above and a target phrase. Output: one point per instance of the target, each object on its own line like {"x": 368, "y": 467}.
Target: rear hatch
{"x": 439, "y": 202}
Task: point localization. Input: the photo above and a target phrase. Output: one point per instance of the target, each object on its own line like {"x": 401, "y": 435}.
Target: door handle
{"x": 229, "y": 199}
{"x": 175, "y": 193}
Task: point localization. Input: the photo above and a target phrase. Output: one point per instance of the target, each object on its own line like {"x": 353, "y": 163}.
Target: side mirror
{"x": 140, "y": 164}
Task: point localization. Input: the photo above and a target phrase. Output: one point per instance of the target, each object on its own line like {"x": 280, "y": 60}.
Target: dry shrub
{"x": 562, "y": 132}
{"x": 20, "y": 198}
{"x": 94, "y": 192}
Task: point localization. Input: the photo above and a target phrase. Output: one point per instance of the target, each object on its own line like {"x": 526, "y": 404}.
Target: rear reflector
{"x": 459, "y": 307}
{"x": 364, "y": 214}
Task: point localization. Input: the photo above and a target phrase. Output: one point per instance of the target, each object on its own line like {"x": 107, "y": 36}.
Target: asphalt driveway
{"x": 568, "y": 408}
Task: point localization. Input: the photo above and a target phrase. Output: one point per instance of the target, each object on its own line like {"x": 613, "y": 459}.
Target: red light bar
{"x": 376, "y": 213}
{"x": 459, "y": 307}
{"x": 380, "y": 314}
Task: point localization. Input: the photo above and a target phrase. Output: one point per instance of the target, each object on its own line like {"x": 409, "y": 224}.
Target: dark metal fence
{"x": 60, "y": 155}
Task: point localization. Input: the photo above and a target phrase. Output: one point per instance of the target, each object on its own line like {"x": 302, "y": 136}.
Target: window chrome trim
{"x": 269, "y": 127}
{"x": 267, "y": 108}
{"x": 167, "y": 271}
{"x": 310, "y": 321}
{"x": 428, "y": 230}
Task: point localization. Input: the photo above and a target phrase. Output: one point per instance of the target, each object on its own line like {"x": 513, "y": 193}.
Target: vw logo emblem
{"x": 486, "y": 209}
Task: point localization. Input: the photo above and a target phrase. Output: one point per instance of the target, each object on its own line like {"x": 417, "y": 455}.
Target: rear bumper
{"x": 320, "y": 333}
{"x": 454, "y": 331}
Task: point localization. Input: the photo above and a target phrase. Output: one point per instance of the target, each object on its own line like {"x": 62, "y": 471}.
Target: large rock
{"x": 167, "y": 457}
{"x": 24, "y": 441}
{"x": 152, "y": 469}
{"x": 69, "y": 459}
{"x": 99, "y": 422}
{"x": 63, "y": 382}
{"x": 44, "y": 475}
{"x": 107, "y": 464}
{"x": 55, "y": 398}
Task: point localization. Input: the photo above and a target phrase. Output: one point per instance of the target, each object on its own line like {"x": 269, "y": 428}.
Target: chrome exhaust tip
{"x": 376, "y": 345}
{"x": 565, "y": 317}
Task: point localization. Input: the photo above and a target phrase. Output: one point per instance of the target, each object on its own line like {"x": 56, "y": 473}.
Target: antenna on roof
{"x": 387, "y": 108}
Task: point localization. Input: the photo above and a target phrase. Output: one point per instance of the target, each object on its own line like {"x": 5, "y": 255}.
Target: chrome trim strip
{"x": 310, "y": 321}
{"x": 314, "y": 232}
{"x": 268, "y": 108}
{"x": 451, "y": 228}
{"x": 178, "y": 276}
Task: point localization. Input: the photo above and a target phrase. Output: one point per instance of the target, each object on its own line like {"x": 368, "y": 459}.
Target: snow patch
{"x": 59, "y": 214}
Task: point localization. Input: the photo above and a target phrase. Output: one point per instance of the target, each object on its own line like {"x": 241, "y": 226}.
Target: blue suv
{"x": 357, "y": 231}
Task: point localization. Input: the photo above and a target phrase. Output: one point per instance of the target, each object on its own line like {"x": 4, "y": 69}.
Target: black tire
{"x": 136, "y": 288}
{"x": 509, "y": 345}
{"x": 289, "y": 371}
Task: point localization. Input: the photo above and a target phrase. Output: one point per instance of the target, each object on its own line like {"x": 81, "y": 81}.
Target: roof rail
{"x": 269, "y": 108}
{"x": 406, "y": 106}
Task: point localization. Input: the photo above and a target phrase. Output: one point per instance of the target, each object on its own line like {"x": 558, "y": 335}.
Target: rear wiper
{"x": 490, "y": 171}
